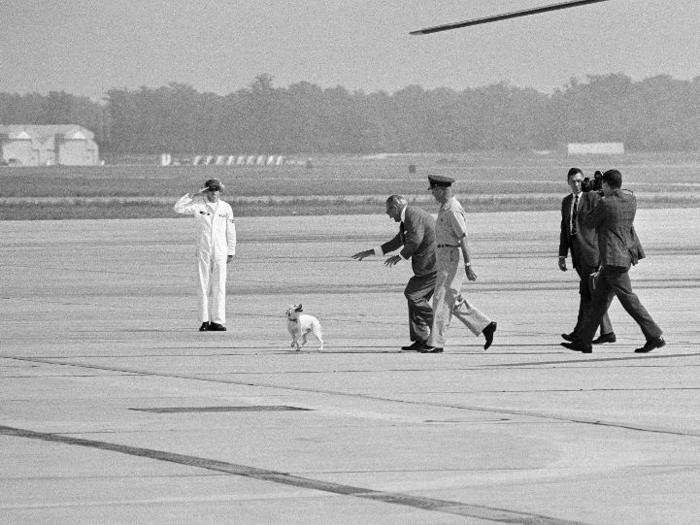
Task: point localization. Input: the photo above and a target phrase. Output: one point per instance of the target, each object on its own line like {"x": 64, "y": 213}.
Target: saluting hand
{"x": 361, "y": 255}
{"x": 470, "y": 273}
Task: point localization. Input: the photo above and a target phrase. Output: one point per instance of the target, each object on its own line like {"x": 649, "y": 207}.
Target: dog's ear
{"x": 299, "y": 308}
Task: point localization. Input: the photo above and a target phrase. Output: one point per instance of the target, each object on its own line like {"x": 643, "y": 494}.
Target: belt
{"x": 448, "y": 245}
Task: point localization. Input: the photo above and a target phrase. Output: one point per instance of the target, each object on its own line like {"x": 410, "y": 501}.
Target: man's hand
{"x": 594, "y": 278}
{"x": 562, "y": 264}
{"x": 470, "y": 273}
{"x": 361, "y": 255}
{"x": 229, "y": 259}
{"x": 392, "y": 261}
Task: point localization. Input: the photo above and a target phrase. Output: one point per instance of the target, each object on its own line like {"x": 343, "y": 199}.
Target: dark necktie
{"x": 574, "y": 213}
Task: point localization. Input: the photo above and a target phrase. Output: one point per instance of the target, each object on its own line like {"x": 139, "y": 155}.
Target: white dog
{"x": 300, "y": 325}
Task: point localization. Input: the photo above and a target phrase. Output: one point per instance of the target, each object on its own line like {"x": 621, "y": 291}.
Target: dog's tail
{"x": 317, "y": 331}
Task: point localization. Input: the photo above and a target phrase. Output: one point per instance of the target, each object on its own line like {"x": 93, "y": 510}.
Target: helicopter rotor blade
{"x": 504, "y": 16}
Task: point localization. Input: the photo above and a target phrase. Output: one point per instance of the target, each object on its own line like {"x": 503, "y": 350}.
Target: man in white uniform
{"x": 216, "y": 246}
{"x": 451, "y": 239}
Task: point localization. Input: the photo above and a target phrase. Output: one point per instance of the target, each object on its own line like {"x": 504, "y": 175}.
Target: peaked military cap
{"x": 438, "y": 180}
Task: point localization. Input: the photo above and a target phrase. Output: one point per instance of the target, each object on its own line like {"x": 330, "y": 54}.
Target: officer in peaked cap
{"x": 451, "y": 239}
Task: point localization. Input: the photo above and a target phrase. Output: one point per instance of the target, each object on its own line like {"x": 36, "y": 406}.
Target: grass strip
{"x": 161, "y": 207}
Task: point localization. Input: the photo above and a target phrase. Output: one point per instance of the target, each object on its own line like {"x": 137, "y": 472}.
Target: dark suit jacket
{"x": 417, "y": 236}
{"x": 613, "y": 218}
{"x": 583, "y": 245}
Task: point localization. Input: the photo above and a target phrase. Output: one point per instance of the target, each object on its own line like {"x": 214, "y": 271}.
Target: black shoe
{"x": 577, "y": 347}
{"x": 216, "y": 327}
{"x": 430, "y": 350}
{"x": 605, "y": 338}
{"x": 204, "y": 327}
{"x": 568, "y": 337}
{"x": 413, "y": 347}
{"x": 650, "y": 345}
{"x": 488, "y": 333}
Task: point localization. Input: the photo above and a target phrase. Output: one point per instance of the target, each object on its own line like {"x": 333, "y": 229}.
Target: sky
{"x": 87, "y": 47}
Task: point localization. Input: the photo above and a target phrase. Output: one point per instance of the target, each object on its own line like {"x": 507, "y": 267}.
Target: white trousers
{"x": 212, "y": 287}
{"x": 447, "y": 299}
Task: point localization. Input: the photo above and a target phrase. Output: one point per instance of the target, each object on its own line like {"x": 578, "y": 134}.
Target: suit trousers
{"x": 615, "y": 281}
{"x": 585, "y": 291}
{"x": 448, "y": 300}
{"x": 418, "y": 292}
{"x": 212, "y": 287}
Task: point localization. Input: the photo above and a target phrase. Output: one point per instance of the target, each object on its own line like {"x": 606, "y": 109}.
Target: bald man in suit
{"x": 416, "y": 239}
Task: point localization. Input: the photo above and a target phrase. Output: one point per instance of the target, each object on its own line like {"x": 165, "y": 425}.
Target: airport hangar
{"x": 48, "y": 145}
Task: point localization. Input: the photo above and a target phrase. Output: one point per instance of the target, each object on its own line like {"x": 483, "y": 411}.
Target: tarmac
{"x": 115, "y": 409}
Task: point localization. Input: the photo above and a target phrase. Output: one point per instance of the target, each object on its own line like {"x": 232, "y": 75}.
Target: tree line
{"x": 655, "y": 114}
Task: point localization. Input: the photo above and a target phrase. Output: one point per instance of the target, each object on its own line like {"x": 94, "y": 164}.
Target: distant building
{"x": 595, "y": 148}
{"x": 63, "y": 144}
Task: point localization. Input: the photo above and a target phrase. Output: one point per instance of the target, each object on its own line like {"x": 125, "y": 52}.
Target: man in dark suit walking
{"x": 417, "y": 236}
{"x": 613, "y": 217}
{"x": 582, "y": 242}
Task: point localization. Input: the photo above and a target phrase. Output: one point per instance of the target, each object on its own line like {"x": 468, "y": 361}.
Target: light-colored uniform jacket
{"x": 216, "y": 231}
{"x": 450, "y": 229}
{"x": 451, "y": 224}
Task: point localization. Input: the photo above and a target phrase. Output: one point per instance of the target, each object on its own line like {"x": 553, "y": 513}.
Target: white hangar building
{"x": 62, "y": 144}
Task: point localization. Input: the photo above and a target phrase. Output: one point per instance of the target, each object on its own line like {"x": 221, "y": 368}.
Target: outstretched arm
{"x": 393, "y": 244}
{"x": 414, "y": 232}
{"x": 361, "y": 255}
{"x": 387, "y": 247}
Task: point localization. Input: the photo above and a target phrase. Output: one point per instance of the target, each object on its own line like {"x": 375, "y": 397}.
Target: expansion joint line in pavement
{"x": 592, "y": 360}
{"x": 456, "y": 406}
{"x": 418, "y": 502}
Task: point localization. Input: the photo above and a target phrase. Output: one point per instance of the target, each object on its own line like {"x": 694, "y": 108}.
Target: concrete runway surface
{"x": 114, "y": 409}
